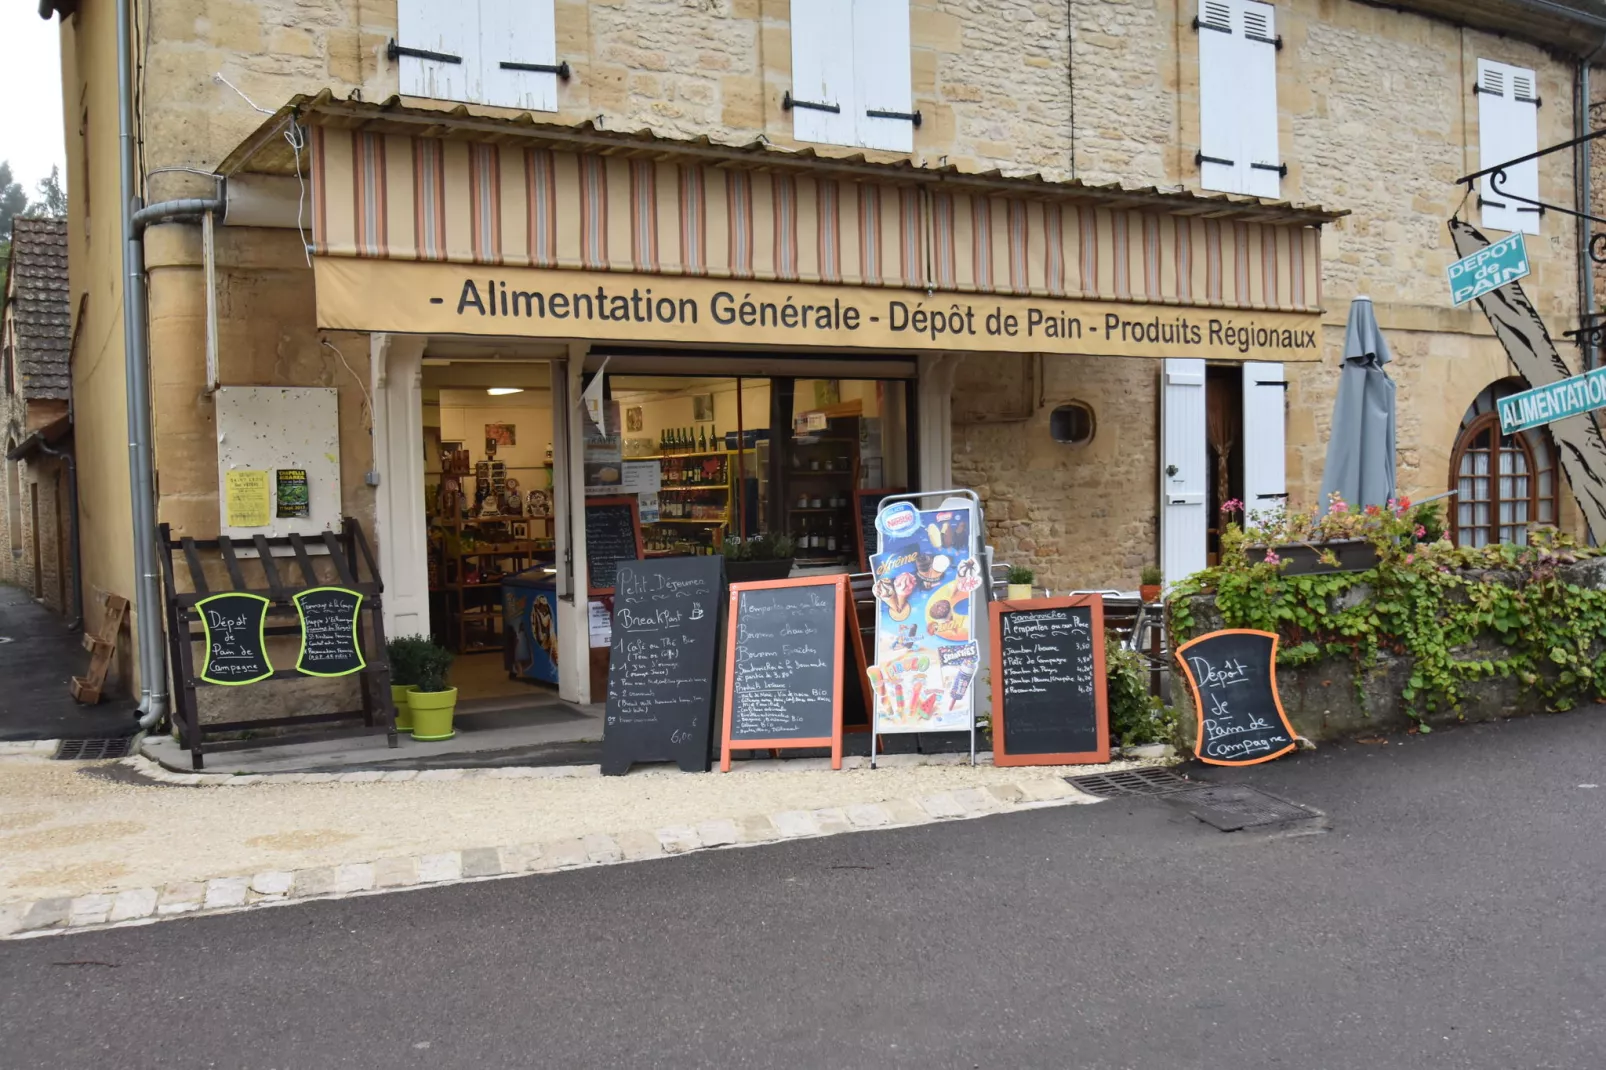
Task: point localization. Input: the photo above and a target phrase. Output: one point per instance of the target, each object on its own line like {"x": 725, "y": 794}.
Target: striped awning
{"x": 393, "y": 196}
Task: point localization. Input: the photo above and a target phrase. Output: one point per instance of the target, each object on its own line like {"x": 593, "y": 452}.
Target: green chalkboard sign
{"x": 330, "y": 645}
{"x": 236, "y": 645}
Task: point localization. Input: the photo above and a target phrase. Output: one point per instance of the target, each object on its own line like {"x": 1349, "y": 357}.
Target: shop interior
{"x": 707, "y": 459}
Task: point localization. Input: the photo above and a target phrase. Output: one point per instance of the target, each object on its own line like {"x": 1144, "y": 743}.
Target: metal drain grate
{"x": 87, "y": 750}
{"x": 1151, "y": 781}
{"x": 1230, "y": 807}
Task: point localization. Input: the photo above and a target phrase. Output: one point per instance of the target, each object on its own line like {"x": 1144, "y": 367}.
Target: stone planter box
{"x": 1334, "y": 699}
{"x": 1300, "y": 559}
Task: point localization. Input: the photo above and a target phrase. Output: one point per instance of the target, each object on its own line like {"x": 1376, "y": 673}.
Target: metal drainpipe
{"x": 1586, "y": 197}
{"x": 148, "y": 601}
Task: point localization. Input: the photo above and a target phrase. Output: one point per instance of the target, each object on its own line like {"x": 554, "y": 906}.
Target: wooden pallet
{"x": 102, "y": 648}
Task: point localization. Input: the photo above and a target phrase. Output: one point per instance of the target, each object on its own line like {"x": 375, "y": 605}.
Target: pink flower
{"x": 1410, "y": 559}
{"x": 1338, "y": 506}
{"x": 1272, "y": 558}
{"x": 1232, "y": 505}
{"x": 1420, "y": 531}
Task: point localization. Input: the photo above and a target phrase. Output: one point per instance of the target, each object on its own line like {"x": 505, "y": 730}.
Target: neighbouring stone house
{"x": 35, "y": 345}
{"x": 1200, "y": 186}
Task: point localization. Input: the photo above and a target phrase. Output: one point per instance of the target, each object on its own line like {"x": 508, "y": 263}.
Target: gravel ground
{"x": 72, "y": 828}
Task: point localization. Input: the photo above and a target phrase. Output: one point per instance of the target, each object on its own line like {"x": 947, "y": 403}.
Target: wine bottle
{"x": 702, "y": 439}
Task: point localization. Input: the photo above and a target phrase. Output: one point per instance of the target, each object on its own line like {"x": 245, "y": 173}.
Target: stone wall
{"x": 1332, "y": 699}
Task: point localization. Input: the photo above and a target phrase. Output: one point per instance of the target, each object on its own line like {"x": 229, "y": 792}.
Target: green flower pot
{"x": 404, "y": 712}
{"x": 432, "y": 714}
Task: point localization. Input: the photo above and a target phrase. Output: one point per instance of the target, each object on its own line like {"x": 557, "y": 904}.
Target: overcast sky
{"x": 30, "y": 93}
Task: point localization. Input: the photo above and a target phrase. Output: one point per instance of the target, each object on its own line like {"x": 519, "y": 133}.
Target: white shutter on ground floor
{"x": 1184, "y": 469}
{"x": 1265, "y": 445}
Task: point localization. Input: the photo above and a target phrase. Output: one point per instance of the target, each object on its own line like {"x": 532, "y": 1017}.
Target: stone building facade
{"x": 1375, "y": 117}
{"x": 35, "y": 495}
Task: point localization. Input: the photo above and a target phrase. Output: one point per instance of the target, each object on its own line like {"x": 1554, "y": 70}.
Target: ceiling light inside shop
{"x": 500, "y": 390}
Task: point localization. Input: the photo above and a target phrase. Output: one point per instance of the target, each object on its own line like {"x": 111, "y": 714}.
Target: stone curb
{"x": 28, "y": 746}
{"x": 158, "y": 773}
{"x": 228, "y": 895}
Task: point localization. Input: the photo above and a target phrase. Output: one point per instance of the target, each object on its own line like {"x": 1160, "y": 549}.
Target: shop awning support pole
{"x": 148, "y": 602}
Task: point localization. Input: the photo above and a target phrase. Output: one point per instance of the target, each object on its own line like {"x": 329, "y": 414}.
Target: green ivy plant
{"x": 1136, "y": 717}
{"x": 1462, "y": 615}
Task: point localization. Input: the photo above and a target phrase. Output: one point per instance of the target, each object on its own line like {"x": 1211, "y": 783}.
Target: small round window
{"x": 1072, "y": 424}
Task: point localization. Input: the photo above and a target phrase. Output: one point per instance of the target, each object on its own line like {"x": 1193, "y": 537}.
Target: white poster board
{"x": 278, "y": 453}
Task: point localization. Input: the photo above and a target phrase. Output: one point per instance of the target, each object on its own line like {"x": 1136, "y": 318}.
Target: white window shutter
{"x": 450, "y": 29}
{"x": 822, "y": 71}
{"x": 882, "y": 78}
{"x": 1184, "y": 469}
{"x": 1508, "y": 127}
{"x": 519, "y": 31}
{"x": 1265, "y": 443}
{"x": 1257, "y": 78}
{"x": 1221, "y": 158}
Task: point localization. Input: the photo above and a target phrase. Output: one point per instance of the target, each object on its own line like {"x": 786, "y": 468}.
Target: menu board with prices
{"x": 613, "y": 536}
{"x": 783, "y": 683}
{"x": 330, "y": 644}
{"x": 661, "y": 663}
{"x": 1048, "y": 655}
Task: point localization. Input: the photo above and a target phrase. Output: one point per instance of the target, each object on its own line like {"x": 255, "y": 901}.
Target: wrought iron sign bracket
{"x": 1499, "y": 175}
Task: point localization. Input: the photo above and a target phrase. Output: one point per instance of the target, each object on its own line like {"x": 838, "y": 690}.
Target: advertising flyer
{"x": 926, "y": 654}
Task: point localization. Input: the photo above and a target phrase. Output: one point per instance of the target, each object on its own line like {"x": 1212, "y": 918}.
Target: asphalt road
{"x": 1453, "y": 917}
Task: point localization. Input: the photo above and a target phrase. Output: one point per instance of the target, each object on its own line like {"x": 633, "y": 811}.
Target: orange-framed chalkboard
{"x": 613, "y": 534}
{"x": 1232, "y": 675}
{"x": 783, "y": 666}
{"x": 1050, "y": 704}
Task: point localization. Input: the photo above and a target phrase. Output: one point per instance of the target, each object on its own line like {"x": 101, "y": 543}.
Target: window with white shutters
{"x": 500, "y": 52}
{"x": 1508, "y": 128}
{"x": 1238, "y": 144}
{"x": 851, "y": 77}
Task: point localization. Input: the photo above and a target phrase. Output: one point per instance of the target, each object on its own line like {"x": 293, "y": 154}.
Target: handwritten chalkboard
{"x": 613, "y": 535}
{"x": 867, "y": 503}
{"x": 1233, "y": 676}
{"x": 329, "y": 642}
{"x": 783, "y": 682}
{"x": 236, "y": 648}
{"x": 1048, "y": 657}
{"x": 661, "y": 663}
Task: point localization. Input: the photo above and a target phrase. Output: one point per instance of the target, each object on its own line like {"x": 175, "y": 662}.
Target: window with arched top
{"x": 1503, "y": 483}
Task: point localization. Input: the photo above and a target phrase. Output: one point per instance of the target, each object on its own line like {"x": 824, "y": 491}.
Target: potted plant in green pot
{"x": 1019, "y": 578}
{"x": 762, "y": 557}
{"x": 1149, "y": 581}
{"x": 433, "y": 700}
{"x": 403, "y": 652}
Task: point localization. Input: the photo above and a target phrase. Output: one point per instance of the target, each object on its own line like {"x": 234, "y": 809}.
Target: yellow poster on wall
{"x": 250, "y": 502}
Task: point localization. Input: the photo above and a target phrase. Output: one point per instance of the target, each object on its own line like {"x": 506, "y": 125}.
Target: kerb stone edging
{"x": 226, "y": 895}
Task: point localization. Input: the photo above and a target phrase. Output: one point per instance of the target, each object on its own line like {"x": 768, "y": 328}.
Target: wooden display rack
{"x": 348, "y": 557}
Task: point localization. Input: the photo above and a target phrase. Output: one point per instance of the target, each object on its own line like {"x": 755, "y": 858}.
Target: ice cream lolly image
{"x": 914, "y": 694}
{"x": 967, "y": 672}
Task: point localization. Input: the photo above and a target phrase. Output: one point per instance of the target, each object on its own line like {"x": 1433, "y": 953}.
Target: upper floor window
{"x": 1508, "y": 128}
{"x": 500, "y": 52}
{"x": 1238, "y": 46}
{"x": 851, "y": 79}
